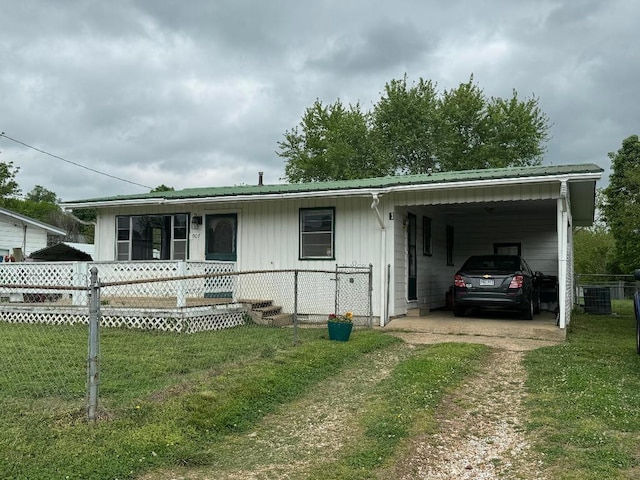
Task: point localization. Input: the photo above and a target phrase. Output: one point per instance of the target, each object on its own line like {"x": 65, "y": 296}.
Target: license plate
{"x": 485, "y": 282}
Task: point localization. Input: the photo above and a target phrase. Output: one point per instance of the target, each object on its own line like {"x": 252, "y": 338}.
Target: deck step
{"x": 269, "y": 311}
{"x": 256, "y": 303}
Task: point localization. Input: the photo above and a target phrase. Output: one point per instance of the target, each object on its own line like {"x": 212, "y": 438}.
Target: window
{"x": 317, "y": 233}
{"x": 449, "y": 245}
{"x": 507, "y": 249}
{"x": 152, "y": 237}
{"x": 426, "y": 236}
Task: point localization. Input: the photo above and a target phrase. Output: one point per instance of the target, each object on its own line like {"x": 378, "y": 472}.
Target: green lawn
{"x": 585, "y": 398}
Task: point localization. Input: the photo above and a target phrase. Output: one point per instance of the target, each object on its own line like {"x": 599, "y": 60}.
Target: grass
{"x": 173, "y": 400}
{"x": 166, "y": 397}
{"x": 585, "y": 398}
{"x": 404, "y": 407}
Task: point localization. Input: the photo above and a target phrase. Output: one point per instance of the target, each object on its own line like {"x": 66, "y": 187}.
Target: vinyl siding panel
{"x": 12, "y": 235}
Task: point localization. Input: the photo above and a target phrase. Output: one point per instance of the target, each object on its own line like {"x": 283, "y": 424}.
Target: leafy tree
{"x": 404, "y": 126}
{"x": 413, "y": 129}
{"x": 163, "y": 188}
{"x": 332, "y": 142}
{"x": 41, "y": 194}
{"x": 44, "y": 211}
{"x": 8, "y": 185}
{"x": 593, "y": 249}
{"x": 621, "y": 207}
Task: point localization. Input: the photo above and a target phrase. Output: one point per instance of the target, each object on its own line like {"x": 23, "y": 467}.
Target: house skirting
{"x": 177, "y": 320}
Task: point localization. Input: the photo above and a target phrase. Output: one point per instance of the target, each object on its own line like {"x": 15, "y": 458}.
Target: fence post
{"x": 79, "y": 279}
{"x": 370, "y": 295}
{"x": 181, "y": 287}
{"x": 94, "y": 345}
{"x": 295, "y": 307}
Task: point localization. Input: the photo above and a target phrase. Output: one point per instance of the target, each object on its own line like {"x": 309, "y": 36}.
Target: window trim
{"x": 301, "y": 212}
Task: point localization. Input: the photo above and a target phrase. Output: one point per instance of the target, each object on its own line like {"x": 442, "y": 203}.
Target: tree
{"x": 8, "y": 185}
{"x": 41, "y": 194}
{"x": 621, "y": 207}
{"x": 593, "y": 249}
{"x": 332, "y": 143}
{"x": 163, "y": 188}
{"x": 404, "y": 126}
{"x": 412, "y": 129}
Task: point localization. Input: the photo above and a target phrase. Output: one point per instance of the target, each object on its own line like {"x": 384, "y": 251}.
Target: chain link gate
{"x": 354, "y": 284}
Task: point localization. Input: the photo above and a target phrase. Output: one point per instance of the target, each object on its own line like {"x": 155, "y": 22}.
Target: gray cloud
{"x": 199, "y": 94}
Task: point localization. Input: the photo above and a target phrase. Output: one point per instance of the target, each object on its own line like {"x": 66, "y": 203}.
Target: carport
{"x": 438, "y": 226}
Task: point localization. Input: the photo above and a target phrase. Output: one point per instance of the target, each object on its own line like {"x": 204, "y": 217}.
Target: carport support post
{"x": 94, "y": 345}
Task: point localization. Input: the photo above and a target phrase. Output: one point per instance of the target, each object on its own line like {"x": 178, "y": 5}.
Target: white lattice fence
{"x": 136, "y": 272}
{"x": 46, "y": 315}
{"x": 37, "y": 281}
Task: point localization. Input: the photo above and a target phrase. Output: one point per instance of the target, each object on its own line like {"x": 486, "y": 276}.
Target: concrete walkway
{"x": 494, "y": 328}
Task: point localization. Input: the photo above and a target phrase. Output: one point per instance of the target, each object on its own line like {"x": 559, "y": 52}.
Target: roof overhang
{"x": 24, "y": 220}
{"x": 577, "y": 180}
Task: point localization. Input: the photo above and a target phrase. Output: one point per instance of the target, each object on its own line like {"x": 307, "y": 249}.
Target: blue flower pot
{"x": 339, "y": 331}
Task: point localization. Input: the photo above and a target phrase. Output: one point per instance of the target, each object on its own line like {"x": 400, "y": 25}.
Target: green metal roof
{"x": 360, "y": 184}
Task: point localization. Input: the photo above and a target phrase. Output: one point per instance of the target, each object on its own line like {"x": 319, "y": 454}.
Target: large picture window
{"x": 152, "y": 237}
{"x": 317, "y": 233}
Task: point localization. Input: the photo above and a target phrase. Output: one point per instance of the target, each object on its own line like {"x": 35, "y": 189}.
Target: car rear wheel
{"x": 527, "y": 313}
{"x": 458, "y": 311}
{"x": 536, "y": 306}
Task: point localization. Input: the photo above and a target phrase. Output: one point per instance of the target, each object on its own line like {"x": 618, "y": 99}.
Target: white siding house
{"x": 18, "y": 232}
{"x": 414, "y": 230}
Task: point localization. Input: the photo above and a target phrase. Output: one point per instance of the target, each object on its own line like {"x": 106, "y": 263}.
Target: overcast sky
{"x": 198, "y": 93}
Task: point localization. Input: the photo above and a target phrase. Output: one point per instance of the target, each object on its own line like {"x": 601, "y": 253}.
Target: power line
{"x": 2, "y": 134}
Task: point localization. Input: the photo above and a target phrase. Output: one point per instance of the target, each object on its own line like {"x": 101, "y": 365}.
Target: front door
{"x": 221, "y": 237}
{"x": 412, "y": 267}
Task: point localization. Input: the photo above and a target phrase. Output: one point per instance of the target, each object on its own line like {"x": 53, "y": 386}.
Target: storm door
{"x": 412, "y": 267}
{"x": 221, "y": 237}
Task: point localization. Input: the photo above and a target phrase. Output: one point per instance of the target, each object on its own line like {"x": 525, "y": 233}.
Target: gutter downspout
{"x": 562, "y": 255}
{"x": 383, "y": 258}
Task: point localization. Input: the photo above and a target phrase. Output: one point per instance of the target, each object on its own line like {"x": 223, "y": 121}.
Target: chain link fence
{"x": 76, "y": 334}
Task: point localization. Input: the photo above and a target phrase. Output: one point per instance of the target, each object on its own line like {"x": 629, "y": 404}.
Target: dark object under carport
{"x": 597, "y": 300}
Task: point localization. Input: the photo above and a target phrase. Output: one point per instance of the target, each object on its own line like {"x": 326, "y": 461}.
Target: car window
{"x": 492, "y": 263}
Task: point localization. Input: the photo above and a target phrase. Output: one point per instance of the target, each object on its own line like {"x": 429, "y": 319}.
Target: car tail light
{"x": 458, "y": 281}
{"x": 517, "y": 282}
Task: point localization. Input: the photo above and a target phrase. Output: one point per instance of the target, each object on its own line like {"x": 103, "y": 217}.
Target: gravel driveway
{"x": 482, "y": 423}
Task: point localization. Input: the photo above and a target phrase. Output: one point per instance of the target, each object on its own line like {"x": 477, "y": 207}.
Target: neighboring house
{"x": 21, "y": 233}
{"x": 415, "y": 230}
